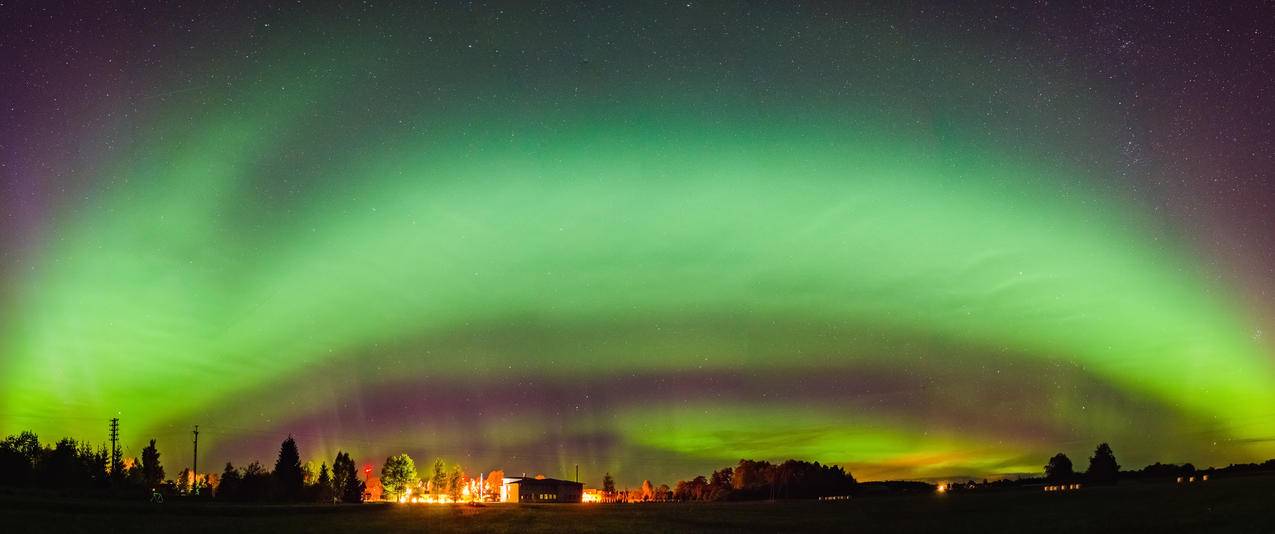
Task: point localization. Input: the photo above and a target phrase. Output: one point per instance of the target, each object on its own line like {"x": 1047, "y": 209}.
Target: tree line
{"x": 1103, "y": 468}
{"x": 751, "y": 480}
{"x": 70, "y": 465}
{"x": 647, "y": 492}
{"x": 290, "y": 481}
{"x": 77, "y": 465}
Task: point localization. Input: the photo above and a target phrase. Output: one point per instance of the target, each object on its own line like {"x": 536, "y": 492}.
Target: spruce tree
{"x": 323, "y": 485}
{"x": 287, "y": 471}
{"x": 152, "y": 470}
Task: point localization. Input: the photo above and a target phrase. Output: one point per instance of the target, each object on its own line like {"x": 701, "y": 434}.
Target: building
{"x": 539, "y": 489}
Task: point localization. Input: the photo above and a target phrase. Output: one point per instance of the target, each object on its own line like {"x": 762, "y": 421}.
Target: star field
{"x": 919, "y": 241}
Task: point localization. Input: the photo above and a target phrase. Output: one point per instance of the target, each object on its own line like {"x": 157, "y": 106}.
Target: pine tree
{"x": 152, "y": 470}
{"x": 345, "y": 479}
{"x": 287, "y": 471}
{"x": 323, "y": 490}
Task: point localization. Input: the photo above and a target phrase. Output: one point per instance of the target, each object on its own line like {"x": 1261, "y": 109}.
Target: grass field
{"x": 1244, "y": 504}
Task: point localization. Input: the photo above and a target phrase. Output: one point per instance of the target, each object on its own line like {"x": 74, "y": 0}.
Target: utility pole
{"x": 115, "y": 437}
{"x": 577, "y": 472}
{"x": 195, "y": 463}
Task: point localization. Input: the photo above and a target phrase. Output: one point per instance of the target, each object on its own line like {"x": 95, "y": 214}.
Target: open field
{"x": 1224, "y": 505}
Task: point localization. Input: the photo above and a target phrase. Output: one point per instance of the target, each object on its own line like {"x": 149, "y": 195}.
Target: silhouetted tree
{"x": 152, "y": 470}
{"x": 228, "y": 485}
{"x": 67, "y": 464}
{"x": 256, "y": 483}
{"x": 288, "y": 477}
{"x": 28, "y": 444}
{"x": 719, "y": 485}
{"x": 691, "y": 490}
{"x": 341, "y": 474}
{"x": 323, "y": 485}
{"x": 399, "y": 473}
{"x": 94, "y": 463}
{"x": 608, "y": 486}
{"x": 753, "y": 480}
{"x": 345, "y": 479}
{"x": 134, "y": 476}
{"x": 1103, "y": 468}
{"x": 1159, "y": 470}
{"x": 18, "y": 457}
{"x": 60, "y": 466}
{"x": 1059, "y": 468}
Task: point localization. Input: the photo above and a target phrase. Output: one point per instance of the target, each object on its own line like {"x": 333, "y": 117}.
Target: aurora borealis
{"x": 650, "y": 239}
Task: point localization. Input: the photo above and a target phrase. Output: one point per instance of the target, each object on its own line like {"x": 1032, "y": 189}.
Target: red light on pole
{"x": 367, "y": 472}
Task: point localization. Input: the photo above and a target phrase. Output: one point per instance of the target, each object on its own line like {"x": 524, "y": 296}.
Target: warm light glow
{"x": 941, "y": 488}
{"x": 591, "y": 495}
{"x": 471, "y": 490}
{"x": 1062, "y": 487}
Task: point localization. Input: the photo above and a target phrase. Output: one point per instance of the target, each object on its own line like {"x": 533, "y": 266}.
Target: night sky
{"x": 920, "y": 241}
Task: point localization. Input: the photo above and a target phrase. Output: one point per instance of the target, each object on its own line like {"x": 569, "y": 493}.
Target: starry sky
{"x": 920, "y": 240}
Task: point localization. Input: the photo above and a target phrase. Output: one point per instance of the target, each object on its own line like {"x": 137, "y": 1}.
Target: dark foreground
{"x": 1224, "y": 505}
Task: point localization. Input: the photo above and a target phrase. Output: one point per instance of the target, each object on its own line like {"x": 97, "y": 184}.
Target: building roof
{"x": 531, "y": 480}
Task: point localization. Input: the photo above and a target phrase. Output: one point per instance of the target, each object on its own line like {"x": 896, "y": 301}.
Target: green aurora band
{"x": 854, "y": 283}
